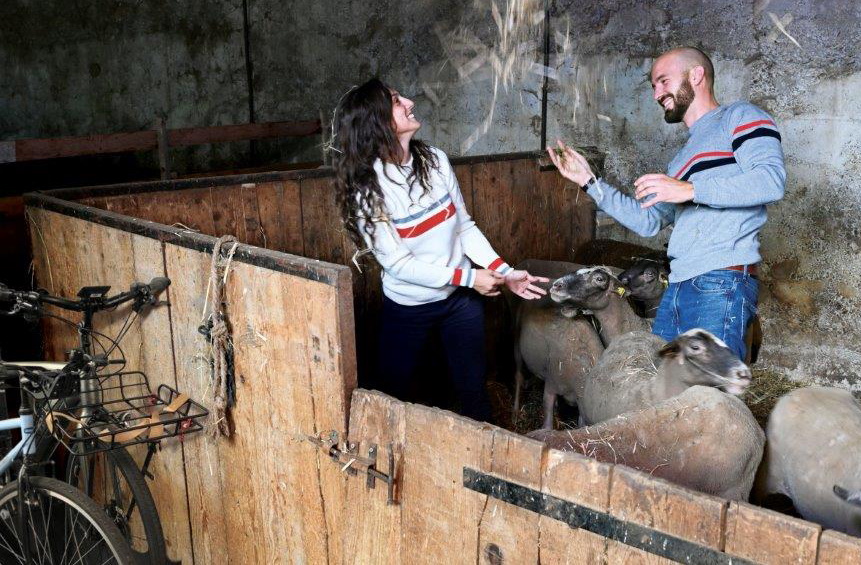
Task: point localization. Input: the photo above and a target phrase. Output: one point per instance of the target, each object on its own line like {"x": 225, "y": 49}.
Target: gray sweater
{"x": 734, "y": 159}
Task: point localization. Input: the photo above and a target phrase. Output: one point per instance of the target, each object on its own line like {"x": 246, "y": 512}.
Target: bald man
{"x": 714, "y": 193}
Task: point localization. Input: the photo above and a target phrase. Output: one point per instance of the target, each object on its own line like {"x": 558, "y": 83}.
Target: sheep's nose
{"x": 556, "y": 285}
{"x": 741, "y": 373}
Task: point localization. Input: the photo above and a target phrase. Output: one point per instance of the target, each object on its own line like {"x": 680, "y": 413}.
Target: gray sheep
{"x": 701, "y": 439}
{"x": 814, "y": 441}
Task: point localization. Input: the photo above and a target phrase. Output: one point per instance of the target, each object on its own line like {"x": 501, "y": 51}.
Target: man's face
{"x": 672, "y": 89}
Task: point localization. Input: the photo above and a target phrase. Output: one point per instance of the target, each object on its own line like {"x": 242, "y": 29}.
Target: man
{"x": 714, "y": 193}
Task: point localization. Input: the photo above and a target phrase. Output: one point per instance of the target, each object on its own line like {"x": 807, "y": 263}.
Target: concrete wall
{"x": 73, "y": 68}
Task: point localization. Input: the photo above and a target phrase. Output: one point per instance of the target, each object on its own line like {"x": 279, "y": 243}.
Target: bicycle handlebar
{"x": 143, "y": 293}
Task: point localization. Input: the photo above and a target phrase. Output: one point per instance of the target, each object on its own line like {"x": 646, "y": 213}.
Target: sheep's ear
{"x": 670, "y": 349}
{"x": 569, "y": 311}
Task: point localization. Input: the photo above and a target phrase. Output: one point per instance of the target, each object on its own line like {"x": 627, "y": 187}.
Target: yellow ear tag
{"x": 665, "y": 282}
{"x": 620, "y": 290}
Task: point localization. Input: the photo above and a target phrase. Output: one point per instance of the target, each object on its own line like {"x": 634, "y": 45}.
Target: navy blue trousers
{"x": 459, "y": 321}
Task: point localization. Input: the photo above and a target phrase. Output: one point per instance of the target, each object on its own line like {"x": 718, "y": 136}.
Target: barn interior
{"x": 183, "y": 123}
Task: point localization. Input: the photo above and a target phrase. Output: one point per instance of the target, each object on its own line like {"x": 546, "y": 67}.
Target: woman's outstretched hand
{"x": 570, "y": 164}
{"x": 521, "y": 284}
{"x": 487, "y": 282}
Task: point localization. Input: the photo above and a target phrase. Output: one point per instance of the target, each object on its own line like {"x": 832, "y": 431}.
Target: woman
{"x": 400, "y": 199}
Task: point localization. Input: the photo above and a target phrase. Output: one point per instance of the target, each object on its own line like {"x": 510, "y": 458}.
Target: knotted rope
{"x": 219, "y": 334}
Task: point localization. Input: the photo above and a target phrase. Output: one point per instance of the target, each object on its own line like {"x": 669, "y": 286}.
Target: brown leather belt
{"x": 749, "y": 269}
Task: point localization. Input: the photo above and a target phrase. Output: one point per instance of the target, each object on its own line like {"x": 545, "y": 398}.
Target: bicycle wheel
{"x": 114, "y": 481}
{"x": 61, "y": 526}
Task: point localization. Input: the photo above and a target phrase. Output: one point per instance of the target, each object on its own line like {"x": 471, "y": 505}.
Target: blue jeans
{"x": 722, "y": 302}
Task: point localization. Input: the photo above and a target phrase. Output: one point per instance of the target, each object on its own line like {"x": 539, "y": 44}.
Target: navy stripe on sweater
{"x": 758, "y": 132}
{"x": 703, "y": 165}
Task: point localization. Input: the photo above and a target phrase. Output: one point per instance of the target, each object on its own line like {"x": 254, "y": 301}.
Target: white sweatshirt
{"x": 426, "y": 242}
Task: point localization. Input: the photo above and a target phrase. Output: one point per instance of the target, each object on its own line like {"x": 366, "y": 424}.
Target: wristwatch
{"x": 592, "y": 181}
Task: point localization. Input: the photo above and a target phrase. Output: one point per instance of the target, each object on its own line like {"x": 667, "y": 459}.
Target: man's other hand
{"x": 665, "y": 189}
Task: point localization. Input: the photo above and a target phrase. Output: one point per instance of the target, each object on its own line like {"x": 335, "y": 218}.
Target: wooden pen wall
{"x": 524, "y": 211}
{"x": 258, "y": 495}
{"x": 268, "y": 495}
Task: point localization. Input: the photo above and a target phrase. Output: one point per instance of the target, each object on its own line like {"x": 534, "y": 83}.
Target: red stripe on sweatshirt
{"x": 496, "y": 264}
{"x": 703, "y": 155}
{"x": 430, "y": 223}
{"x": 455, "y": 279}
{"x": 753, "y": 124}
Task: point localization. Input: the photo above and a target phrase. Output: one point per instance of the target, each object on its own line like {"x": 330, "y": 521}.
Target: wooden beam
{"x": 52, "y": 148}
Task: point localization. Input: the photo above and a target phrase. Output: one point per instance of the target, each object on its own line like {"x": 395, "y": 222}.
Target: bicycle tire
{"x": 87, "y": 532}
{"x": 125, "y": 488}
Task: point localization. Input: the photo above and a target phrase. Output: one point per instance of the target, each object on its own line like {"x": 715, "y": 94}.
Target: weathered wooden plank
{"x": 640, "y": 499}
{"x": 281, "y": 216}
{"x": 440, "y": 518}
{"x": 507, "y": 532}
{"x": 209, "y": 519}
{"x": 837, "y": 548}
{"x": 374, "y": 534}
{"x": 768, "y": 537}
{"x": 463, "y": 173}
{"x": 227, "y": 213}
{"x": 157, "y": 361}
{"x": 251, "y": 215}
{"x": 124, "y": 204}
{"x": 496, "y": 206}
{"x": 583, "y": 481}
{"x": 321, "y": 222}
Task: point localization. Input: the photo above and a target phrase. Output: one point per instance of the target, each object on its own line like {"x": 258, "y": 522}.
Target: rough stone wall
{"x": 79, "y": 68}
{"x": 74, "y": 68}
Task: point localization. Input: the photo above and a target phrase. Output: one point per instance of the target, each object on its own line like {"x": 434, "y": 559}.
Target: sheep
{"x": 701, "y": 439}
{"x": 645, "y": 281}
{"x": 813, "y": 438}
{"x": 639, "y": 369}
{"x": 596, "y": 289}
{"x": 553, "y": 342}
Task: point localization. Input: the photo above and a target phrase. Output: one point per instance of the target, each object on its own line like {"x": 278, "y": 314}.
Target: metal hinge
{"x": 346, "y": 454}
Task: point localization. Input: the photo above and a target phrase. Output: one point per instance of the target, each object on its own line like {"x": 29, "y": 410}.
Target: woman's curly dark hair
{"x": 364, "y": 132}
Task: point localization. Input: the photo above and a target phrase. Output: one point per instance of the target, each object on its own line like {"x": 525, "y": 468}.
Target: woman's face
{"x": 403, "y": 120}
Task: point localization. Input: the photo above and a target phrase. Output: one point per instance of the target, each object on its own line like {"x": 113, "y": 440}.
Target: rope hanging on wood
{"x": 217, "y": 330}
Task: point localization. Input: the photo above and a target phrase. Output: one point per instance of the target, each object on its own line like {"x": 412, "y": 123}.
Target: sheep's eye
{"x": 695, "y": 347}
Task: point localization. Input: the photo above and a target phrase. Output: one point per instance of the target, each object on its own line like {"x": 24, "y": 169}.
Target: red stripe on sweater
{"x": 703, "y": 155}
{"x": 430, "y": 223}
{"x": 455, "y": 279}
{"x": 496, "y": 264}
{"x": 753, "y": 124}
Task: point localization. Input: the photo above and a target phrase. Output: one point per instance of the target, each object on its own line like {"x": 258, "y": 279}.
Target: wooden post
{"x": 163, "y": 148}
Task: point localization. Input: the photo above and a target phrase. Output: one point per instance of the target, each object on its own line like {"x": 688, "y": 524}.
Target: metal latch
{"x": 346, "y": 454}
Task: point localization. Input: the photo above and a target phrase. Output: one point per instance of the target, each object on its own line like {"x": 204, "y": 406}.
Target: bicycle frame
{"x": 24, "y": 422}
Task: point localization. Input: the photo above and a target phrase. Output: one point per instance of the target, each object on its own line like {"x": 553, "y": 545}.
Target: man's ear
{"x": 697, "y": 75}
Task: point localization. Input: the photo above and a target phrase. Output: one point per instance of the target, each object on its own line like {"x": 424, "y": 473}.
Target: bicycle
{"x": 44, "y": 520}
{"x": 112, "y": 411}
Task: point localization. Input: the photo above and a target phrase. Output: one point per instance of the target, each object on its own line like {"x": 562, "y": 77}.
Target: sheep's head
{"x": 589, "y": 288}
{"x": 699, "y": 358}
{"x": 646, "y": 279}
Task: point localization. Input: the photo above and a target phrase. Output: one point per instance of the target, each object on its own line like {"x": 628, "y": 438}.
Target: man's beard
{"x": 682, "y": 100}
